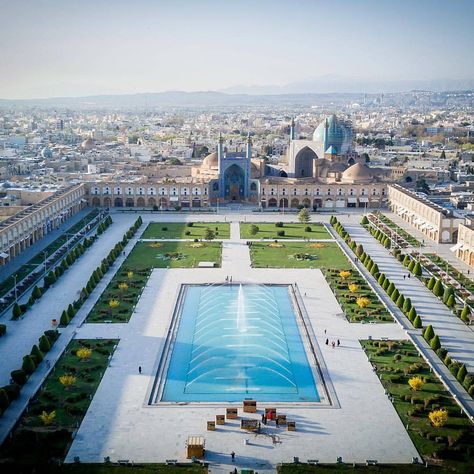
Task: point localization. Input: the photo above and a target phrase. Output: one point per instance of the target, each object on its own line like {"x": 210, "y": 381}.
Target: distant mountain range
{"x": 323, "y": 90}
{"x": 339, "y": 84}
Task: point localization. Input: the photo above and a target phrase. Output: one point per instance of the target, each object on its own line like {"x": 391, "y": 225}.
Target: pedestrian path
{"x": 235, "y": 252}
{"x": 359, "y": 234}
{"x": 37, "y": 247}
{"x": 22, "y": 334}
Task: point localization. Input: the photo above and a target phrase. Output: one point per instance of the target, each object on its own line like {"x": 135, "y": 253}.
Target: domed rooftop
{"x": 339, "y": 135}
{"x": 211, "y": 160}
{"x": 337, "y": 167}
{"x": 87, "y": 144}
{"x": 357, "y": 173}
{"x": 46, "y": 152}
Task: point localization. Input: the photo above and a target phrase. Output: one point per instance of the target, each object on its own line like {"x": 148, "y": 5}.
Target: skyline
{"x": 54, "y": 50}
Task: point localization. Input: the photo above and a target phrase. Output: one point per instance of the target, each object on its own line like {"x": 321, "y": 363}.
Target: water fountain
{"x": 241, "y": 319}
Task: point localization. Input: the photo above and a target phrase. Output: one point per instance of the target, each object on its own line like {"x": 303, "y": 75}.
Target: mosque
{"x": 324, "y": 172}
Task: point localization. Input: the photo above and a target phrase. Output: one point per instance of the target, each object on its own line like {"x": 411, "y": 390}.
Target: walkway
{"x": 454, "y": 334}
{"x": 38, "y": 246}
{"x": 22, "y": 334}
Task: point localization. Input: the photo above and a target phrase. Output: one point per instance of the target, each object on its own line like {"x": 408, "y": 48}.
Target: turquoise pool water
{"x": 235, "y": 342}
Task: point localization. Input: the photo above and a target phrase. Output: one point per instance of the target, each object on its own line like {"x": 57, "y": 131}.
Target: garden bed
{"x": 267, "y": 230}
{"x": 183, "y": 230}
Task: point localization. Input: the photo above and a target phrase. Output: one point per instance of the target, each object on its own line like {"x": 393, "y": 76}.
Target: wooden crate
{"x": 195, "y": 447}
{"x": 231, "y": 414}
{"x": 250, "y": 406}
{"x": 249, "y": 425}
{"x": 211, "y": 426}
{"x": 281, "y": 419}
{"x": 291, "y": 426}
{"x": 220, "y": 419}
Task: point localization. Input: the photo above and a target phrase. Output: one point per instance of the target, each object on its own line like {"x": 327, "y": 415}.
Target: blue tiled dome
{"x": 339, "y": 135}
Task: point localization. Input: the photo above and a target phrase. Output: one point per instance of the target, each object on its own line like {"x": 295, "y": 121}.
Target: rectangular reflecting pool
{"x": 230, "y": 342}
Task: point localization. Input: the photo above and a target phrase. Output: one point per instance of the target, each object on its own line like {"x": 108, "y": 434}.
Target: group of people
{"x": 333, "y": 343}
{"x": 228, "y": 279}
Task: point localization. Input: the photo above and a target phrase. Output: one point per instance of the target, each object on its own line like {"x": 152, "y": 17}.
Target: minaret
{"x": 220, "y": 152}
{"x": 325, "y": 141}
{"x": 248, "y": 153}
{"x": 292, "y": 129}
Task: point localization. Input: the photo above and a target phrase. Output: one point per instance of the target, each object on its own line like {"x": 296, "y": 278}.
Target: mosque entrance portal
{"x": 234, "y": 183}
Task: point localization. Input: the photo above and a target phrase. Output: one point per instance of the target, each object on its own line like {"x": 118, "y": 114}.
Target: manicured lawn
{"x": 297, "y": 255}
{"x": 32, "y": 441}
{"x": 349, "y": 467}
{"x": 184, "y": 468}
{"x": 452, "y": 442}
{"x": 375, "y": 311}
{"x": 268, "y": 230}
{"x": 178, "y": 230}
{"x": 136, "y": 269}
{"x": 184, "y": 254}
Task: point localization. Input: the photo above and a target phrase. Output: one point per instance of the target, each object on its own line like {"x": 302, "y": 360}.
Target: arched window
{"x": 215, "y": 186}
{"x": 253, "y": 186}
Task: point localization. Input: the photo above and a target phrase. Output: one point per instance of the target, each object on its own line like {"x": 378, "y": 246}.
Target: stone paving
{"x": 457, "y": 337}
{"x": 120, "y": 424}
{"x": 23, "y": 333}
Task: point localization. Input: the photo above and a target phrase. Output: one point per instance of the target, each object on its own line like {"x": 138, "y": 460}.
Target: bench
{"x": 171, "y": 462}
{"x": 315, "y": 462}
{"x": 123, "y": 462}
{"x": 371, "y": 462}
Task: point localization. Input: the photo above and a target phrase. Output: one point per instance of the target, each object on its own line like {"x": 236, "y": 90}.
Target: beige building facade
{"x": 435, "y": 222}
{"x": 24, "y": 228}
{"x": 464, "y": 249}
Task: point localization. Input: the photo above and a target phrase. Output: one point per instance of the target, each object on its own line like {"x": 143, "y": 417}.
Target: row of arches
{"x": 160, "y": 202}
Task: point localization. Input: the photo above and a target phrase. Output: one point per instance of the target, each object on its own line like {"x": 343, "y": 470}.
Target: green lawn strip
{"x": 444, "y": 265}
{"x": 181, "y": 468}
{"x": 142, "y": 259}
{"x": 34, "y": 443}
{"x": 179, "y": 230}
{"x": 38, "y": 259}
{"x": 399, "y": 230}
{"x": 452, "y": 442}
{"x": 297, "y": 255}
{"x": 374, "y": 312}
{"x": 379, "y": 469}
{"x": 267, "y": 230}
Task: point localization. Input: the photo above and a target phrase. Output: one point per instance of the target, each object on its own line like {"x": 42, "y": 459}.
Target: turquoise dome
{"x": 339, "y": 135}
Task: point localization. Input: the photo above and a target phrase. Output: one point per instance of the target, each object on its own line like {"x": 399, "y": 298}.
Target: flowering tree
{"x": 416, "y": 383}
{"x": 47, "y": 418}
{"x": 438, "y": 418}
{"x": 345, "y": 274}
{"x": 353, "y": 288}
{"x": 84, "y": 353}
{"x": 362, "y": 302}
{"x": 67, "y": 380}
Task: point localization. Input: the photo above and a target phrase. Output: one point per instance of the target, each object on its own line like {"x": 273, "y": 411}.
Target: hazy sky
{"x": 80, "y": 47}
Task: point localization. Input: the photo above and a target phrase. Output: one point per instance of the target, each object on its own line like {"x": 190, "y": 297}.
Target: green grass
{"x": 379, "y": 469}
{"x": 452, "y": 442}
{"x": 292, "y": 231}
{"x": 401, "y": 232}
{"x": 328, "y": 256}
{"x": 34, "y": 443}
{"x": 142, "y": 259}
{"x": 374, "y": 312}
{"x": 7, "y": 284}
{"x": 177, "y": 230}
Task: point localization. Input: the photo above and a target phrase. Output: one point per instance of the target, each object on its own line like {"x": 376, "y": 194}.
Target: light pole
{"x": 44, "y": 255}
{"x": 15, "y": 276}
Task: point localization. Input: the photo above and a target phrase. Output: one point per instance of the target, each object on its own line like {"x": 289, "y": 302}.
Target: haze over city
{"x": 53, "y": 48}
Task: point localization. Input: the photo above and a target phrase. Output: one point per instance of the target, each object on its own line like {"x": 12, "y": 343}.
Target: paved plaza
{"x": 361, "y": 424}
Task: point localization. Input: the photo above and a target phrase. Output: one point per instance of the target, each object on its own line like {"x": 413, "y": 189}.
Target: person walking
{"x": 333, "y": 344}
{"x": 327, "y": 342}
{"x": 277, "y": 422}
{"x": 139, "y": 369}
{"x": 232, "y": 455}
{"x": 338, "y": 343}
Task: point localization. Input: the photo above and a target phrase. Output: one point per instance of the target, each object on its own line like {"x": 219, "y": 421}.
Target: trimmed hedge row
{"x": 405, "y": 305}
{"x": 19, "y": 377}
{"x": 52, "y": 276}
{"x": 98, "y": 274}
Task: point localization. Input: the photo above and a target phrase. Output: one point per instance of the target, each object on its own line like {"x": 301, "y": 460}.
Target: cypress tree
{"x": 64, "y": 320}
{"x": 36, "y": 293}
{"x": 406, "y": 260}
{"x": 417, "y": 269}
{"x": 465, "y": 313}
{"x": 28, "y": 364}
{"x": 369, "y": 265}
{"x": 434, "y": 343}
{"x": 16, "y": 311}
{"x": 395, "y": 294}
{"x": 462, "y": 372}
{"x": 390, "y": 289}
{"x": 412, "y": 314}
{"x": 438, "y": 288}
{"x": 359, "y": 250}
{"x": 381, "y": 278}
{"x": 386, "y": 284}
{"x": 431, "y": 283}
{"x": 364, "y": 220}
{"x": 411, "y": 266}
{"x": 44, "y": 344}
{"x": 37, "y": 353}
{"x": 70, "y": 312}
{"x": 428, "y": 333}
{"x": 417, "y": 322}
{"x": 407, "y": 305}
{"x": 400, "y": 301}
{"x": 375, "y": 269}
{"x": 451, "y": 301}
